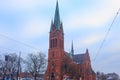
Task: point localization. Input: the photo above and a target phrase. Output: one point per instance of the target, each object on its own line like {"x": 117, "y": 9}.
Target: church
{"x": 61, "y": 64}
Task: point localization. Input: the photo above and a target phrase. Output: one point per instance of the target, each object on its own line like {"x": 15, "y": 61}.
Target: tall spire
{"x": 72, "y": 49}
{"x": 57, "y": 17}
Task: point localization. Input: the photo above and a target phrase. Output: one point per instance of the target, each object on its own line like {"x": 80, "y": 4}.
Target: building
{"x": 108, "y": 76}
{"x": 62, "y": 64}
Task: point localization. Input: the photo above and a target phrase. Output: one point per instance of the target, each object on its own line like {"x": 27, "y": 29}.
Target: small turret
{"x": 72, "y": 49}
{"x": 87, "y": 52}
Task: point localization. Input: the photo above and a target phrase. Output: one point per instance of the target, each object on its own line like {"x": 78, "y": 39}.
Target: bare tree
{"x": 36, "y": 64}
{"x": 9, "y": 65}
{"x": 2, "y": 70}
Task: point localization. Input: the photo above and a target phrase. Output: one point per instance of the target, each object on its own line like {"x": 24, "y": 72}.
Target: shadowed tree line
{"x": 12, "y": 64}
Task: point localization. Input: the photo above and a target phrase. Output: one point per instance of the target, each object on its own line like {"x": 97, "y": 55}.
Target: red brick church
{"x": 62, "y": 64}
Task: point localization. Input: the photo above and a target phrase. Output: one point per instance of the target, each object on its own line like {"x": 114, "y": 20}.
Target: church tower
{"x": 61, "y": 64}
{"x": 56, "y": 32}
{"x": 56, "y": 48}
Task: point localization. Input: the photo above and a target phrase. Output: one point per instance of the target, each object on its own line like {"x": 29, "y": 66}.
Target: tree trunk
{"x": 3, "y": 77}
{"x": 35, "y": 77}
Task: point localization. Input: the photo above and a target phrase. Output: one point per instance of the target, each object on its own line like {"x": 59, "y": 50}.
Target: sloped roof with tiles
{"x": 79, "y": 58}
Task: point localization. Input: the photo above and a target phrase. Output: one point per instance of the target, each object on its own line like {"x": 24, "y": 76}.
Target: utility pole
{"x": 18, "y": 66}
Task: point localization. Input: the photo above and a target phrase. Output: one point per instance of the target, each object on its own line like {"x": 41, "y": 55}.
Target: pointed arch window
{"x": 61, "y": 43}
{"x": 55, "y": 42}
{"x": 53, "y": 54}
{"x": 50, "y": 43}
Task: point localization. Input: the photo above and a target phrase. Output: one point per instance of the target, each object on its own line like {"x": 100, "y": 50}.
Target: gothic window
{"x": 50, "y": 43}
{"x": 53, "y": 64}
{"x": 53, "y": 54}
{"x": 60, "y": 43}
{"x": 65, "y": 67}
{"x": 80, "y": 70}
{"x": 88, "y": 71}
{"x": 52, "y": 76}
{"x": 55, "y": 42}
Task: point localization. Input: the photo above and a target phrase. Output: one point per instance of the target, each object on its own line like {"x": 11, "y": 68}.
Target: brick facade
{"x": 62, "y": 64}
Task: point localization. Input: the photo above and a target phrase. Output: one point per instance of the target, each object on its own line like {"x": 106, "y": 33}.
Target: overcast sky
{"x": 25, "y": 25}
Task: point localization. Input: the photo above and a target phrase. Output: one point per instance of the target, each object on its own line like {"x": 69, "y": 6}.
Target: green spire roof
{"x": 56, "y": 24}
{"x": 57, "y": 17}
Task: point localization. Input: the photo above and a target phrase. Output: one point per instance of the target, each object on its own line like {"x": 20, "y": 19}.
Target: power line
{"x": 98, "y": 52}
{"x": 27, "y": 45}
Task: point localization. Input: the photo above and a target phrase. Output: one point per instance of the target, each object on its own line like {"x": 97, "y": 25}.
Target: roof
{"x": 79, "y": 58}
{"x": 68, "y": 54}
{"x": 57, "y": 18}
{"x": 56, "y": 23}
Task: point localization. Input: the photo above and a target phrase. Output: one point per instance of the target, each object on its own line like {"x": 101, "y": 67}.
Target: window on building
{"x": 53, "y": 65}
{"x": 80, "y": 70}
{"x": 61, "y": 43}
{"x": 50, "y": 43}
{"x": 53, "y": 54}
{"x": 55, "y": 42}
{"x": 52, "y": 76}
